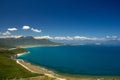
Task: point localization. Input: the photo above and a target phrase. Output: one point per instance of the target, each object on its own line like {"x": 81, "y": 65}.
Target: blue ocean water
{"x": 83, "y": 60}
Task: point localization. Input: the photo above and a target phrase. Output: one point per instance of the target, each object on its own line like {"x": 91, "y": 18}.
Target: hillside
{"x": 9, "y": 69}
{"x": 24, "y": 41}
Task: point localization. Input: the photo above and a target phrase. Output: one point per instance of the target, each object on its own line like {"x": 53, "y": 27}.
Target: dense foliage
{"x": 9, "y": 69}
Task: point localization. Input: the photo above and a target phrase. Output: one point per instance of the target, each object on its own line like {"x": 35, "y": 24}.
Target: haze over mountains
{"x": 91, "y": 42}
{"x": 24, "y": 41}
{"x": 31, "y": 41}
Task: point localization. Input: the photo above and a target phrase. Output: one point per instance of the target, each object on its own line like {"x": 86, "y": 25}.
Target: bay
{"x": 77, "y": 60}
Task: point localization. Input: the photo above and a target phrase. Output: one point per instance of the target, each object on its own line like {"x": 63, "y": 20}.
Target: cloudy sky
{"x": 71, "y": 19}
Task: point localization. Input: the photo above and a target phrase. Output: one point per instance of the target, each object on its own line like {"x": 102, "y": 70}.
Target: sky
{"x": 86, "y": 18}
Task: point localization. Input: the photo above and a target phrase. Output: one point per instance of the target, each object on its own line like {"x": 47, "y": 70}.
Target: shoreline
{"x": 59, "y": 76}
{"x": 38, "y": 69}
{"x": 32, "y": 46}
{"x": 20, "y": 54}
{"x": 41, "y": 70}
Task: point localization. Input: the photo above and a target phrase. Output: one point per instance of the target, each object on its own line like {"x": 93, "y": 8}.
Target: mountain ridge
{"x": 24, "y": 41}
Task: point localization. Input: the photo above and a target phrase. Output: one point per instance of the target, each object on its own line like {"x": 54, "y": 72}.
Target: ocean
{"x": 77, "y": 60}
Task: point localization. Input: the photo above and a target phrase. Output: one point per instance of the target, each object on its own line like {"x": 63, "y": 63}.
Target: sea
{"x": 77, "y": 60}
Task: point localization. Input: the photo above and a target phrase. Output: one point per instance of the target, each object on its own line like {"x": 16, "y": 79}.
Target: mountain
{"x": 106, "y": 42}
{"x": 112, "y": 42}
{"x": 24, "y": 41}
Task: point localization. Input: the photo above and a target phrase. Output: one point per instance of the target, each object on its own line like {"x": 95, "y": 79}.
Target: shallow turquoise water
{"x": 83, "y": 60}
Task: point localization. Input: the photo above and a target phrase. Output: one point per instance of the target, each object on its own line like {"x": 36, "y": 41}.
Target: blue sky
{"x": 91, "y": 18}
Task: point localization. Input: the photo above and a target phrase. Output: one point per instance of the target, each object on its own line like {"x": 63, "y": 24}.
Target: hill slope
{"x": 9, "y": 69}
{"x": 24, "y": 41}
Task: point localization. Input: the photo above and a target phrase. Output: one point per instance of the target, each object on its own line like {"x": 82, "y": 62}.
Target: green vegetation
{"x": 40, "y": 78}
{"x": 18, "y": 50}
{"x": 24, "y": 41}
{"x": 9, "y": 69}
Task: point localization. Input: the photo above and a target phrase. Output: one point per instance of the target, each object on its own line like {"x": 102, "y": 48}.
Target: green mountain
{"x": 24, "y": 41}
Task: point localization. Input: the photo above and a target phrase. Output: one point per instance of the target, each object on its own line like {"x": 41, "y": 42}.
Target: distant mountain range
{"x": 112, "y": 42}
{"x": 92, "y": 42}
{"x": 30, "y": 41}
{"x": 24, "y": 41}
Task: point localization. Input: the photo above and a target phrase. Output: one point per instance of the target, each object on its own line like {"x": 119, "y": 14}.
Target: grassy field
{"x": 9, "y": 69}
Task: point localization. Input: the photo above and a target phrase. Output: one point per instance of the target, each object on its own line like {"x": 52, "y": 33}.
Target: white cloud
{"x": 6, "y": 33}
{"x": 107, "y": 36}
{"x": 12, "y": 29}
{"x": 112, "y": 37}
{"x": 60, "y": 38}
{"x": 35, "y": 30}
{"x": 68, "y": 38}
{"x": 86, "y": 38}
{"x": 43, "y": 37}
{"x": 80, "y": 38}
{"x": 64, "y": 38}
{"x": 26, "y": 27}
{"x": 77, "y": 38}
{"x": 12, "y": 36}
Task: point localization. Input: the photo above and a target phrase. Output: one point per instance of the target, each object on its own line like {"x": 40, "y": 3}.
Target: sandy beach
{"x": 20, "y": 54}
{"x": 41, "y": 70}
{"x": 38, "y": 69}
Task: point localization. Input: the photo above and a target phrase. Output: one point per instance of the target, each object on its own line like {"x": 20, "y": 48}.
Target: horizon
{"x": 60, "y": 39}
{"x": 71, "y": 40}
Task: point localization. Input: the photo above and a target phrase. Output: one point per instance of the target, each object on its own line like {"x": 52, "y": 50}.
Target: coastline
{"x": 41, "y": 70}
{"x": 20, "y": 54}
{"x": 38, "y": 69}
{"x": 31, "y": 46}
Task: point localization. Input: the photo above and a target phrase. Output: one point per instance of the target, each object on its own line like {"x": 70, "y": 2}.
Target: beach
{"x": 40, "y": 70}
{"x": 36, "y": 69}
{"x": 59, "y": 76}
